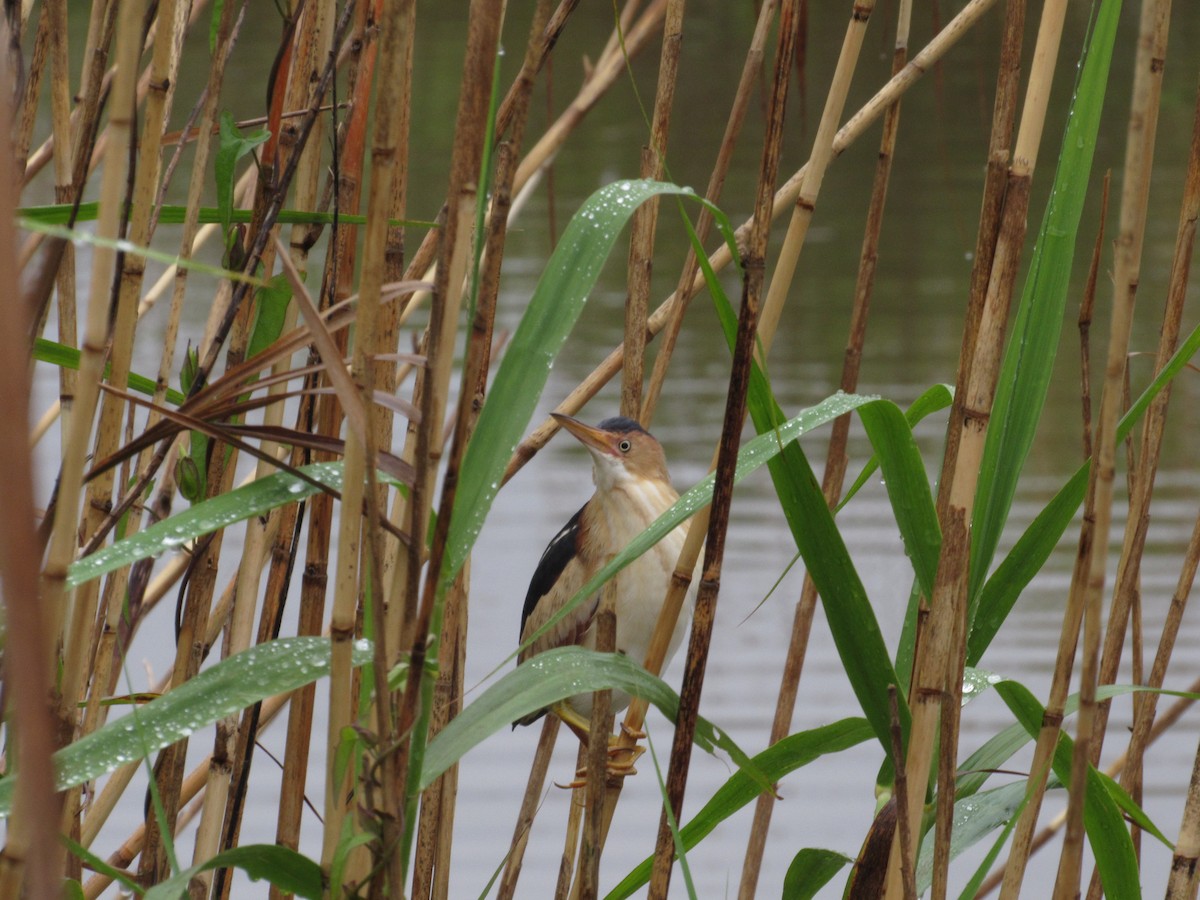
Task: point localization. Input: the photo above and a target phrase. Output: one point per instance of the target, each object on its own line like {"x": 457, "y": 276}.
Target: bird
{"x": 633, "y": 488}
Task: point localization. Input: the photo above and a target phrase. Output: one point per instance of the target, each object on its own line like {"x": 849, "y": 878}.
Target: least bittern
{"x": 633, "y": 488}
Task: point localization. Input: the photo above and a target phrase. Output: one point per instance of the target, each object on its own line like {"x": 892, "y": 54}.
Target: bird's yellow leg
{"x": 620, "y": 758}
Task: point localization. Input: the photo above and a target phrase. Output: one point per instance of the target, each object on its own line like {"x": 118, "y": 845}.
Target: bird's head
{"x": 622, "y": 450}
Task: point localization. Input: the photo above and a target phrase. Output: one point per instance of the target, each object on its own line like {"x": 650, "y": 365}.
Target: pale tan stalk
{"x": 529, "y": 805}
{"x": 1144, "y": 705}
{"x": 1116, "y": 769}
{"x": 35, "y": 70}
{"x": 746, "y": 85}
{"x": 785, "y": 196}
{"x": 158, "y": 108}
{"x": 1185, "y": 870}
{"x": 1135, "y": 187}
{"x": 1143, "y": 119}
{"x": 645, "y": 217}
{"x": 835, "y": 460}
{"x": 937, "y": 674}
{"x": 60, "y": 120}
{"x": 56, "y": 598}
{"x": 32, "y": 855}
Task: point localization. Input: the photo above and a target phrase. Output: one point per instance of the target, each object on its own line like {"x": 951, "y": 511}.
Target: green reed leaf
{"x": 775, "y": 762}
{"x": 291, "y": 872}
{"x": 229, "y": 686}
{"x": 1029, "y": 358}
{"x": 553, "y": 676}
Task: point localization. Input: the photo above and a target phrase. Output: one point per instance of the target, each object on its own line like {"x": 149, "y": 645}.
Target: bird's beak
{"x": 592, "y": 438}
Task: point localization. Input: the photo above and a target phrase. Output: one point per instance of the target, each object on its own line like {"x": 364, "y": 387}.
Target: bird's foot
{"x": 620, "y": 764}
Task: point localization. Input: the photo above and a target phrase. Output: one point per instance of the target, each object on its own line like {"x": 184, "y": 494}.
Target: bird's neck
{"x": 628, "y": 507}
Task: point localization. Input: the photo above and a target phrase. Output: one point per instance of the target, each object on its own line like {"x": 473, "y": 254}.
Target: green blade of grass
{"x": 68, "y": 358}
{"x": 553, "y": 676}
{"x": 1029, "y": 358}
{"x": 282, "y": 867}
{"x": 231, "y": 685}
{"x": 852, "y": 621}
{"x": 252, "y": 499}
{"x": 1035, "y": 545}
{"x": 553, "y": 309}
{"x": 775, "y": 762}
{"x": 60, "y": 214}
{"x": 811, "y": 869}
{"x": 1111, "y": 844}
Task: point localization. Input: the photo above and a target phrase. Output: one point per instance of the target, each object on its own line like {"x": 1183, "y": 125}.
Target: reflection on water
{"x": 913, "y": 342}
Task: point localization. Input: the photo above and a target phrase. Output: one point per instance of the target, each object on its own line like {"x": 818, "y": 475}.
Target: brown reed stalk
{"x": 751, "y": 70}
{"x": 937, "y": 679}
{"x": 1147, "y": 92}
{"x": 1086, "y": 308}
{"x": 529, "y": 805}
{"x": 1135, "y": 187}
{"x": 836, "y": 457}
{"x": 30, "y": 92}
{"x": 31, "y": 857}
{"x": 433, "y": 383}
{"x": 360, "y": 466}
{"x": 1116, "y": 769}
{"x": 735, "y": 410}
{"x": 645, "y": 217}
{"x": 785, "y": 196}
{"x": 1185, "y": 863}
{"x": 996, "y": 185}
{"x": 1145, "y": 704}
{"x": 225, "y": 792}
{"x": 60, "y": 119}
{"x": 435, "y": 837}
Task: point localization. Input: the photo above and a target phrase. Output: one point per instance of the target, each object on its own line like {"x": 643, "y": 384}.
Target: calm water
{"x": 913, "y": 342}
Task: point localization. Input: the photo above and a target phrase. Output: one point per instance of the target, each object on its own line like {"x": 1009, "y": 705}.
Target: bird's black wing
{"x": 560, "y": 551}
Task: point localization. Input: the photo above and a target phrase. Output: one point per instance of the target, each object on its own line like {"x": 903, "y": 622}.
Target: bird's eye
{"x": 624, "y": 446}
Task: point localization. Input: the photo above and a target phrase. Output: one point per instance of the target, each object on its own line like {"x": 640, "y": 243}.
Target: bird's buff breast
{"x": 641, "y": 587}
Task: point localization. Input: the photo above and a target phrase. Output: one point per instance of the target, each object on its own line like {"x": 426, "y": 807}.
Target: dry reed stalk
{"x": 1135, "y": 187}
{"x": 234, "y": 743}
{"x": 1116, "y": 769}
{"x": 360, "y": 464}
{"x": 324, "y": 414}
{"x": 58, "y": 601}
{"x": 1144, "y": 705}
{"x": 483, "y": 34}
{"x": 591, "y": 842}
{"x": 1147, "y": 93}
{"x": 1004, "y": 111}
{"x": 609, "y": 67}
{"x": 193, "y": 784}
{"x": 571, "y": 833}
{"x": 836, "y": 457}
{"x": 78, "y": 662}
{"x": 60, "y": 120}
{"x": 529, "y": 805}
{"x": 32, "y": 856}
{"x": 435, "y": 837}
{"x": 645, "y": 217}
{"x": 937, "y": 678}
{"x": 31, "y": 90}
{"x": 785, "y": 196}
{"x": 735, "y": 412}
{"x": 1182, "y": 881}
{"x": 751, "y": 70}
{"x": 77, "y": 431}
